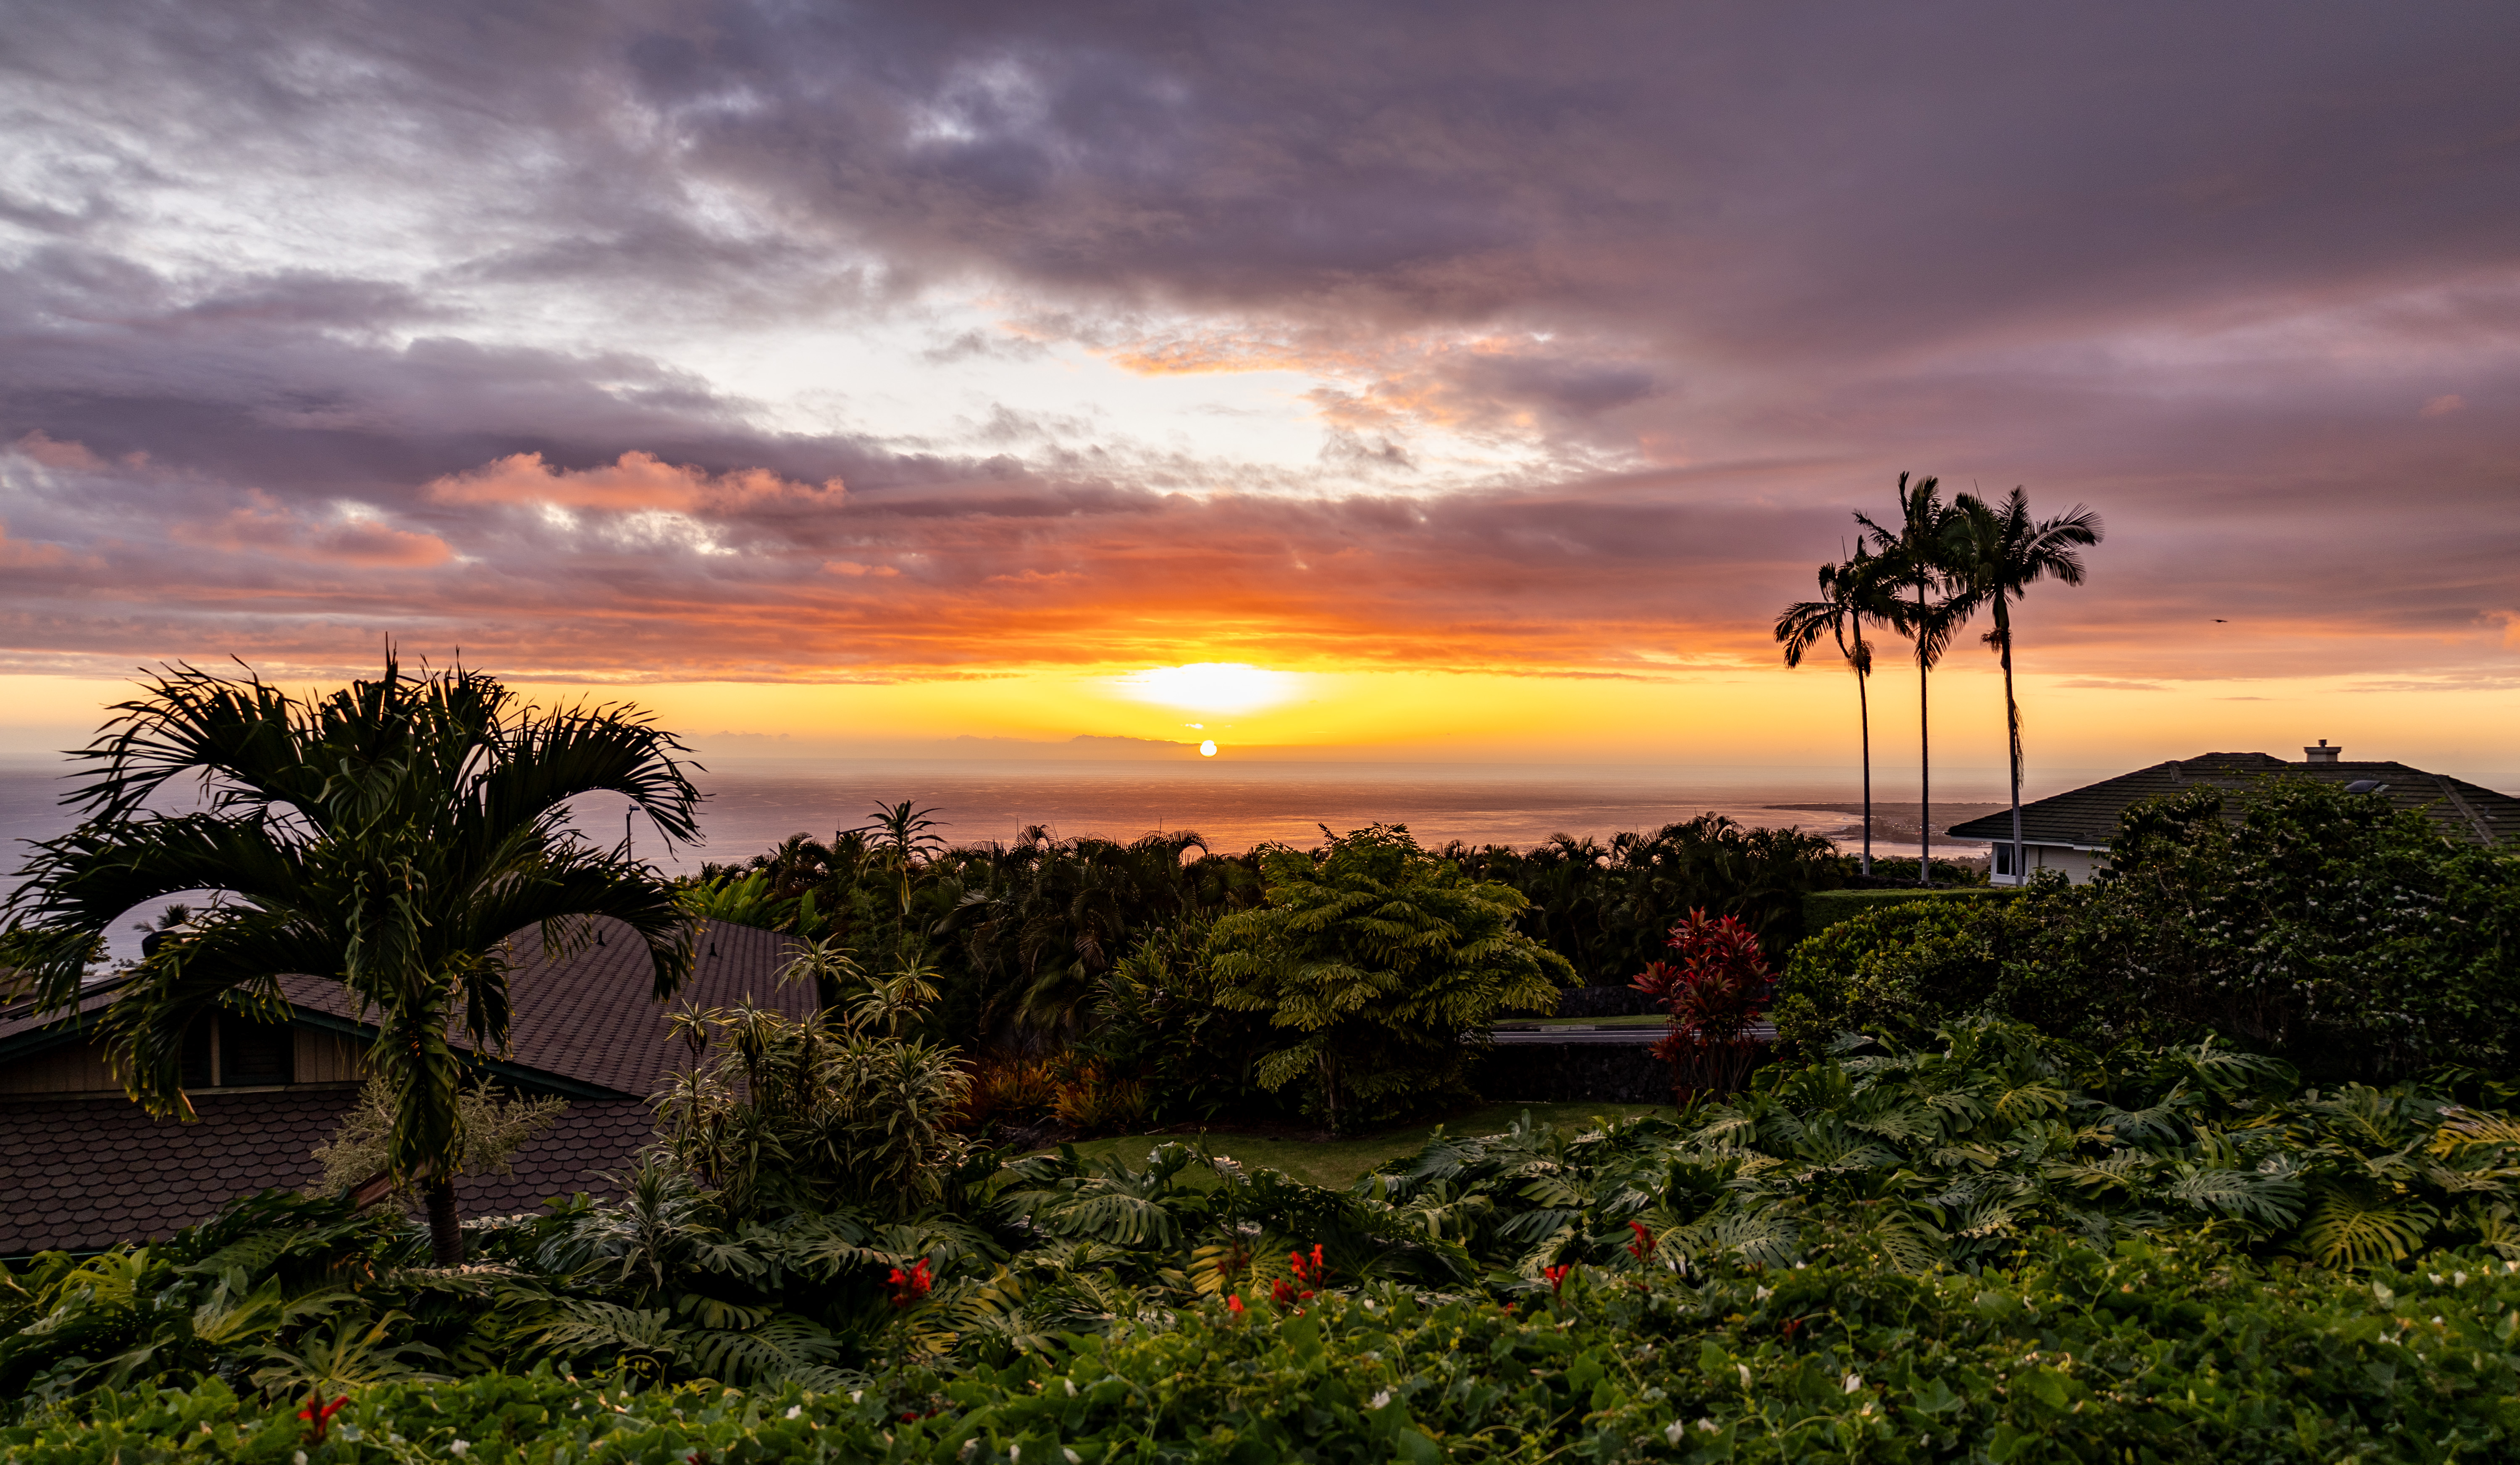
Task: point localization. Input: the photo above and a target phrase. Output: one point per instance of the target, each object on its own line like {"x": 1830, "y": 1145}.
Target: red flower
{"x": 912, "y": 1286}
{"x": 1234, "y": 1304}
{"x": 1793, "y": 1325}
{"x": 1556, "y": 1277}
{"x": 1313, "y": 1271}
{"x": 319, "y": 1413}
{"x": 1644, "y": 1245}
{"x": 1282, "y": 1294}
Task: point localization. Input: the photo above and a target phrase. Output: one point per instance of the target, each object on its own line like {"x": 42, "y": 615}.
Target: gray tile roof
{"x": 82, "y": 1172}
{"x": 2087, "y": 817}
{"x": 591, "y": 1018}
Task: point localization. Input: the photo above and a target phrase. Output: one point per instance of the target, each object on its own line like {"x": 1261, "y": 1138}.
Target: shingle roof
{"x": 83, "y": 1172}
{"x": 2087, "y": 817}
{"x": 591, "y": 1018}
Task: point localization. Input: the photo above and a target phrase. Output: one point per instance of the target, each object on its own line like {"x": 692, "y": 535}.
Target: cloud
{"x": 634, "y": 480}
{"x": 53, "y": 454}
{"x": 352, "y": 537}
{"x": 1521, "y": 341}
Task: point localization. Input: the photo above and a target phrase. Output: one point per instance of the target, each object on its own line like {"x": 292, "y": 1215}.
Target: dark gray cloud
{"x": 2246, "y": 277}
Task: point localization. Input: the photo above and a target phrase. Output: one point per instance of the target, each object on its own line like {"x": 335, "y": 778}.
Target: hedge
{"x": 1823, "y": 909}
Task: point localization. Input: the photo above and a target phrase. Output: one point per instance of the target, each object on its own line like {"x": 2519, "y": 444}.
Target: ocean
{"x": 753, "y": 804}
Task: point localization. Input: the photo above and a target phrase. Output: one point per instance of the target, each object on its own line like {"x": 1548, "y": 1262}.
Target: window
{"x": 2003, "y": 860}
{"x": 197, "y": 1039}
{"x": 225, "y": 1051}
{"x": 252, "y": 1055}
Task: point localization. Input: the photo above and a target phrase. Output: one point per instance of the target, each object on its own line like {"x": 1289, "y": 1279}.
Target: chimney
{"x": 2322, "y": 753}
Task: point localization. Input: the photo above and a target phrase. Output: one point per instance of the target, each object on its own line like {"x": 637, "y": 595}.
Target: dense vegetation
{"x": 2301, "y": 921}
{"x": 1938, "y": 1253}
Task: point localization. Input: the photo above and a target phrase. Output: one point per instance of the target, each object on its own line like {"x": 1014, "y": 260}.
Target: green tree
{"x": 1384, "y": 963}
{"x": 392, "y": 835}
{"x": 1915, "y": 568}
{"x": 1999, "y": 551}
{"x": 1850, "y": 594}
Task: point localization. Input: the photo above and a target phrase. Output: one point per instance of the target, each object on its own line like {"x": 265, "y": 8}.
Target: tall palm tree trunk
{"x": 1863, "y": 717}
{"x": 2011, "y": 729}
{"x": 445, "y": 1231}
{"x": 1924, "y": 758}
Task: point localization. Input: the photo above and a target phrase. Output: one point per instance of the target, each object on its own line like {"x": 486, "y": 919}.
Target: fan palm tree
{"x": 1849, "y": 594}
{"x": 1915, "y": 561}
{"x": 2001, "y": 552}
{"x": 392, "y": 836}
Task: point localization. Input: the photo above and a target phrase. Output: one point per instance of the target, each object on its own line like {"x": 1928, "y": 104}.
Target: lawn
{"x": 1339, "y": 1162}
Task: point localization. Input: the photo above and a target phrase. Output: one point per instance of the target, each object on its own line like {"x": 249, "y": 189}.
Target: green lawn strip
{"x": 1337, "y": 1163}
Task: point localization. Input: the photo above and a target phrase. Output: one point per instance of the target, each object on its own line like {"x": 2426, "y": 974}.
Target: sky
{"x": 1432, "y": 381}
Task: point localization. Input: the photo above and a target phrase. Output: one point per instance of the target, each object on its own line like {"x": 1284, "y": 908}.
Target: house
{"x": 81, "y": 1166}
{"x": 2071, "y": 832}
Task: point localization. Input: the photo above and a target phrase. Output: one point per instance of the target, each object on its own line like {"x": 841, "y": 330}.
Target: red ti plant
{"x": 912, "y": 1286}
{"x": 1716, "y": 989}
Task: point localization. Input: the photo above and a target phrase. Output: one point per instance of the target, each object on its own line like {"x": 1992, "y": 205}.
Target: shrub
{"x": 795, "y": 1116}
{"x": 1157, "y": 1015}
{"x": 2351, "y": 938}
{"x": 1713, "y": 995}
{"x": 494, "y": 1126}
{"x": 1384, "y": 965}
{"x": 1899, "y": 971}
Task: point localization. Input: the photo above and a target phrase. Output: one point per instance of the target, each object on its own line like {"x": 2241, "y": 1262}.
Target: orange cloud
{"x": 637, "y": 481}
{"x": 265, "y": 526}
{"x": 57, "y": 454}
{"x": 18, "y": 554}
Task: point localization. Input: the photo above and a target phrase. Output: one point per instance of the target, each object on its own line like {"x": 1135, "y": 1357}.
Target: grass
{"x": 1649, "y": 1020}
{"x": 1337, "y": 1163}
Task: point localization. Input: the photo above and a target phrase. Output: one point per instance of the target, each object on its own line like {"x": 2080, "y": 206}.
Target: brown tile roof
{"x": 2087, "y": 817}
{"x": 592, "y": 1020}
{"x": 83, "y": 1172}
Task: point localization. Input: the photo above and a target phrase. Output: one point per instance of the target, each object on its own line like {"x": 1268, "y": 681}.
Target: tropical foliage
{"x": 1924, "y": 1254}
{"x": 1382, "y": 968}
{"x": 1716, "y": 989}
{"x": 394, "y": 834}
{"x": 2321, "y": 925}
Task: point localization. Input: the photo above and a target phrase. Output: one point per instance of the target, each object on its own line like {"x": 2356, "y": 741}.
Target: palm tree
{"x": 2001, "y": 553}
{"x": 392, "y": 835}
{"x": 1849, "y": 593}
{"x": 1915, "y": 558}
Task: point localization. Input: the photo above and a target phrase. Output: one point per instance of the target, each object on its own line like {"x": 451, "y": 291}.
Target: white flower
{"x": 1073, "y": 1458}
{"x": 1710, "y": 1425}
{"x": 1764, "y": 1293}
{"x": 2458, "y": 1279}
{"x": 1853, "y": 1381}
{"x": 298, "y": 1458}
{"x": 1071, "y": 1387}
{"x": 795, "y": 1410}
{"x": 856, "y": 1394}
{"x": 1015, "y": 1454}
{"x": 1383, "y": 1399}
{"x": 1673, "y": 1430}
{"x": 460, "y": 1447}
{"x": 1746, "y": 1374}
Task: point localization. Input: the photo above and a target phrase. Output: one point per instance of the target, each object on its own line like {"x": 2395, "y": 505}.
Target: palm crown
{"x": 391, "y": 834}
